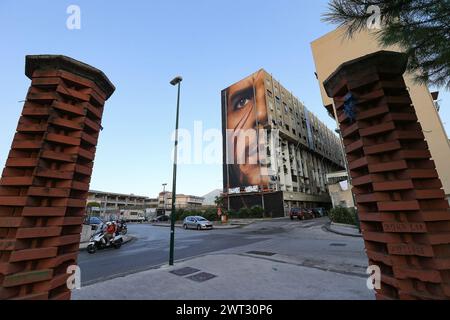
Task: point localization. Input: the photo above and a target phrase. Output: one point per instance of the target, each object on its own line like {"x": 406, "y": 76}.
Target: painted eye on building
{"x": 241, "y": 99}
{"x": 241, "y": 103}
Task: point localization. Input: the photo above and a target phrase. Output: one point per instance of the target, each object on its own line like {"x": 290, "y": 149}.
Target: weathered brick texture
{"x": 44, "y": 185}
{"x": 404, "y": 216}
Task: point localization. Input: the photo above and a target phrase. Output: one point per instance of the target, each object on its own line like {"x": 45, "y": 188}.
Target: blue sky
{"x": 141, "y": 46}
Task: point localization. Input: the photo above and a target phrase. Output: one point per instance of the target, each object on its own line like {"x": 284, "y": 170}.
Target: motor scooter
{"x": 122, "y": 227}
{"x": 99, "y": 242}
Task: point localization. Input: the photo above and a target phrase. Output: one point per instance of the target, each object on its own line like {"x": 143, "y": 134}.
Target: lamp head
{"x": 176, "y": 80}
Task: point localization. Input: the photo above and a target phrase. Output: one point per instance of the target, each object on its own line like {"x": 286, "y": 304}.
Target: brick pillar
{"x": 44, "y": 185}
{"x": 404, "y": 215}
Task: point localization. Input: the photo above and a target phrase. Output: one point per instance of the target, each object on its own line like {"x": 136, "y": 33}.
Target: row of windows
{"x": 325, "y": 142}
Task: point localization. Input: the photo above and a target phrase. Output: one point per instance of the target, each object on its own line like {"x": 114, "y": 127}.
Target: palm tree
{"x": 420, "y": 27}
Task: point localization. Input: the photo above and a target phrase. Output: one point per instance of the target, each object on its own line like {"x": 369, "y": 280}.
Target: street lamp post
{"x": 174, "y": 82}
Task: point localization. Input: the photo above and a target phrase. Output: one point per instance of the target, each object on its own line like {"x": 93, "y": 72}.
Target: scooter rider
{"x": 110, "y": 231}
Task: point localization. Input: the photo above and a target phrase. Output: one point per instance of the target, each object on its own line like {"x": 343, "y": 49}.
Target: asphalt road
{"x": 305, "y": 242}
{"x": 151, "y": 249}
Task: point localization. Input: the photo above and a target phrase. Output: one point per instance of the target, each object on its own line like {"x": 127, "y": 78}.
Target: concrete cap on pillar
{"x": 383, "y": 61}
{"x": 61, "y": 62}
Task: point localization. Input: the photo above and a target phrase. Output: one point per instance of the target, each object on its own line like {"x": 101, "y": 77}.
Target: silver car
{"x": 198, "y": 223}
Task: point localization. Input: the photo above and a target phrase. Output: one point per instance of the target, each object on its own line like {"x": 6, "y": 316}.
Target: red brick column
{"x": 404, "y": 215}
{"x": 43, "y": 189}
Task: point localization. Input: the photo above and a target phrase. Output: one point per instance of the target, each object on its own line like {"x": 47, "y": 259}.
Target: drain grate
{"x": 338, "y": 245}
{"x": 184, "y": 271}
{"x": 202, "y": 277}
{"x": 262, "y": 253}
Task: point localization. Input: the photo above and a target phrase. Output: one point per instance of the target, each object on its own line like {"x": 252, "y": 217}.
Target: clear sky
{"x": 141, "y": 46}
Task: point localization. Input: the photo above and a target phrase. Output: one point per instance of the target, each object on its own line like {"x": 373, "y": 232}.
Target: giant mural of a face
{"x": 245, "y": 112}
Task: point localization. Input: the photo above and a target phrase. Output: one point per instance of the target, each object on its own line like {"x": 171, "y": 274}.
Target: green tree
{"x": 219, "y": 201}
{"x": 91, "y": 205}
{"x": 420, "y": 27}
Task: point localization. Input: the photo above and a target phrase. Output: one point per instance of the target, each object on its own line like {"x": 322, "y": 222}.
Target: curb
{"x": 344, "y": 225}
{"x": 327, "y": 226}
{"x": 214, "y": 227}
{"x": 125, "y": 241}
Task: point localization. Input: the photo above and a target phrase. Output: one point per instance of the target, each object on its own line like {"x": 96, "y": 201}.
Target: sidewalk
{"x": 126, "y": 238}
{"x": 228, "y": 277}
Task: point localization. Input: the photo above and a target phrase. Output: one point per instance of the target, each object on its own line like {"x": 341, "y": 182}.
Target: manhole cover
{"x": 338, "y": 244}
{"x": 202, "y": 277}
{"x": 184, "y": 271}
{"x": 262, "y": 253}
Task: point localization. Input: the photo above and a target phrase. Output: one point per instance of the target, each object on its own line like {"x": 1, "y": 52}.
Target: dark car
{"x": 301, "y": 213}
{"x": 161, "y": 219}
{"x": 309, "y": 214}
{"x": 298, "y": 213}
{"x": 319, "y": 212}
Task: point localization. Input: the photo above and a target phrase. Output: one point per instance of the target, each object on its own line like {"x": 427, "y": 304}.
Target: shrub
{"x": 343, "y": 215}
{"x": 179, "y": 214}
{"x": 233, "y": 214}
{"x": 210, "y": 214}
{"x": 256, "y": 212}
{"x": 244, "y": 213}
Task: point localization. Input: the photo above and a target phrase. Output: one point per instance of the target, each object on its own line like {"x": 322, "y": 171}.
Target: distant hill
{"x": 211, "y": 197}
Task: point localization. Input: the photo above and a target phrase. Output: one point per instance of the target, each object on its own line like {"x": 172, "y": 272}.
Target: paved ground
{"x": 267, "y": 260}
{"x": 151, "y": 249}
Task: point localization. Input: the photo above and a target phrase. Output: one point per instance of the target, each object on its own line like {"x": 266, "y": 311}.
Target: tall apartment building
{"x": 333, "y": 49}
{"x": 276, "y": 152}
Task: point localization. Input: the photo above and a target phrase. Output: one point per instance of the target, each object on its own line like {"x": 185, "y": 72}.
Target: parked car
{"x": 94, "y": 222}
{"x": 161, "y": 219}
{"x": 198, "y": 223}
{"x": 301, "y": 213}
{"x": 319, "y": 212}
{"x": 297, "y": 213}
{"x": 309, "y": 214}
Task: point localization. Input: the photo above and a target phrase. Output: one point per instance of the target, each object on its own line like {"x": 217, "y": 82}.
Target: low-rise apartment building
{"x": 182, "y": 201}
{"x": 114, "y": 202}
